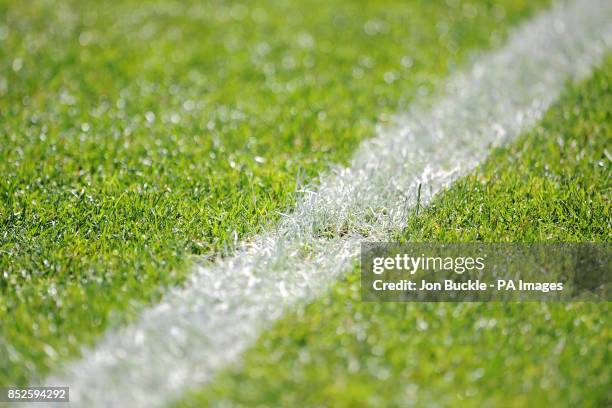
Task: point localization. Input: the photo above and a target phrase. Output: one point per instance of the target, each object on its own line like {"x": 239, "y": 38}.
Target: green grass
{"x": 554, "y": 184}
{"x": 136, "y": 134}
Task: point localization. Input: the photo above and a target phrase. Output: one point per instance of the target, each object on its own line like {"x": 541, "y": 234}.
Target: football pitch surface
{"x": 138, "y": 140}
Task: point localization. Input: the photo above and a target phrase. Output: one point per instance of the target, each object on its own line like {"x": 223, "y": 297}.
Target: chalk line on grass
{"x": 220, "y": 311}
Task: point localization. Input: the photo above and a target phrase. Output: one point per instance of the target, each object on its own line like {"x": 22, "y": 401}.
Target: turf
{"x": 134, "y": 135}
{"x": 554, "y": 184}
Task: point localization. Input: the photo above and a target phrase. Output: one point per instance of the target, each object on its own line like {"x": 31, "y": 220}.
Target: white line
{"x": 204, "y": 326}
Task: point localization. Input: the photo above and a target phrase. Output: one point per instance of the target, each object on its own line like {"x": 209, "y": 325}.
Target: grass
{"x": 134, "y": 135}
{"x": 554, "y": 184}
